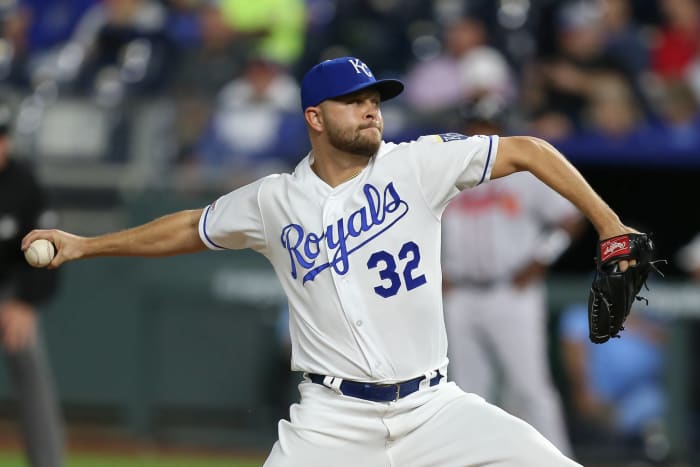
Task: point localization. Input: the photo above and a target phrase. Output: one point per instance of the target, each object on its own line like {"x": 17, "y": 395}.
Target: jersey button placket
{"x": 332, "y": 211}
{"x": 331, "y": 214}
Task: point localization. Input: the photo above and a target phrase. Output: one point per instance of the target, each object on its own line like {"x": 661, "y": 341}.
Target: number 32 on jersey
{"x": 395, "y": 273}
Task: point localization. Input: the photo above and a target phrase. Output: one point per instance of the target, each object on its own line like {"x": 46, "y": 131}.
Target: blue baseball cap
{"x": 341, "y": 76}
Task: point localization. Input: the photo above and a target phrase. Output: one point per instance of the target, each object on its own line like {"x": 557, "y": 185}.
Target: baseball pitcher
{"x": 353, "y": 234}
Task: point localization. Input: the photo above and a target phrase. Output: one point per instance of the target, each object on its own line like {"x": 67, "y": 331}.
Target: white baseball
{"x": 40, "y": 253}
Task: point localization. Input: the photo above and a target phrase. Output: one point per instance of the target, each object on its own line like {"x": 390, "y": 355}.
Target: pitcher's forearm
{"x": 570, "y": 183}
{"x": 168, "y": 235}
{"x": 549, "y": 165}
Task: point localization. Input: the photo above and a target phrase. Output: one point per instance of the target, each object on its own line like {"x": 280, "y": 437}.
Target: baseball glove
{"x": 613, "y": 291}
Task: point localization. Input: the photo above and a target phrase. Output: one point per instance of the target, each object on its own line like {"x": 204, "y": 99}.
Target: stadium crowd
{"x": 598, "y": 78}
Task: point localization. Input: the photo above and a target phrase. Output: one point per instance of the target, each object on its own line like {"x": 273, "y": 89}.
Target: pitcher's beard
{"x": 354, "y": 142}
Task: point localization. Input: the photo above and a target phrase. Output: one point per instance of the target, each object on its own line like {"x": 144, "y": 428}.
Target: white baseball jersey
{"x": 489, "y": 233}
{"x": 360, "y": 263}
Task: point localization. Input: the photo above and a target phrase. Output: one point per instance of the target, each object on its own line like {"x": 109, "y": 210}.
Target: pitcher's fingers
{"x": 57, "y": 261}
{"x": 36, "y": 235}
{"x": 624, "y": 264}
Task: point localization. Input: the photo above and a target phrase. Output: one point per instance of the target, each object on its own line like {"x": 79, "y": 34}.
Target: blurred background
{"x": 130, "y": 109}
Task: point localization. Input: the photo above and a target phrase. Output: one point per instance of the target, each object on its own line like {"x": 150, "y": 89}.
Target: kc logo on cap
{"x": 341, "y": 76}
{"x": 361, "y": 66}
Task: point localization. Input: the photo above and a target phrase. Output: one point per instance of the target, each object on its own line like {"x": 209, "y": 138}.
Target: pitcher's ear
{"x": 313, "y": 118}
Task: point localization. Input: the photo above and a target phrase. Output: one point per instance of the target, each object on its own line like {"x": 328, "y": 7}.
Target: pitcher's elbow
{"x": 522, "y": 151}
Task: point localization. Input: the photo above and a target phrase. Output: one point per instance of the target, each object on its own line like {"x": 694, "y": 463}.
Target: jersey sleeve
{"x": 234, "y": 221}
{"x": 451, "y": 162}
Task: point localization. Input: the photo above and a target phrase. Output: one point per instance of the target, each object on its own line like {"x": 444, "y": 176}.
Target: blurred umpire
{"x": 22, "y": 290}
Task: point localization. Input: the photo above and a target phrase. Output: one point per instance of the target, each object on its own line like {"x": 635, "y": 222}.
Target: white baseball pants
{"x": 439, "y": 426}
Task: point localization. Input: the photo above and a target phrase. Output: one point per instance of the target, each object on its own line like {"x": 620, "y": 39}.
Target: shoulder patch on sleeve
{"x": 447, "y": 137}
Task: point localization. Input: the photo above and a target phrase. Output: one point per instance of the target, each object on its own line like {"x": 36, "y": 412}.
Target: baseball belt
{"x": 378, "y": 392}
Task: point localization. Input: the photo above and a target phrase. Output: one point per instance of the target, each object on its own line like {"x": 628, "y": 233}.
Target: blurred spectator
{"x": 182, "y": 24}
{"x": 624, "y": 38}
{"x": 385, "y": 32}
{"x": 612, "y": 121}
{"x": 256, "y": 127}
{"x": 209, "y": 57}
{"x": 32, "y": 33}
{"x": 273, "y": 28}
{"x": 612, "y": 110}
{"x": 549, "y": 124}
{"x": 558, "y": 87}
{"x": 14, "y": 49}
{"x": 677, "y": 40}
{"x": 681, "y": 120}
{"x": 614, "y": 127}
{"x": 495, "y": 303}
{"x": 22, "y": 290}
{"x": 215, "y": 41}
{"x": 617, "y": 392}
{"x": 468, "y": 68}
{"x": 627, "y": 42}
{"x": 52, "y": 22}
{"x": 121, "y": 47}
{"x": 692, "y": 72}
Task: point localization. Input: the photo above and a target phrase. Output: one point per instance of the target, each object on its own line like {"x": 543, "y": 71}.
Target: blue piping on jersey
{"x": 204, "y": 230}
{"x": 488, "y": 159}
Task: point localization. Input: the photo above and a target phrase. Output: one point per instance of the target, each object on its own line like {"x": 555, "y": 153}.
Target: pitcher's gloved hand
{"x": 613, "y": 291}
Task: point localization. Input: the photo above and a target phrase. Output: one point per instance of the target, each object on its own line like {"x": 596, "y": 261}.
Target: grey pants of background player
{"x": 40, "y": 419}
